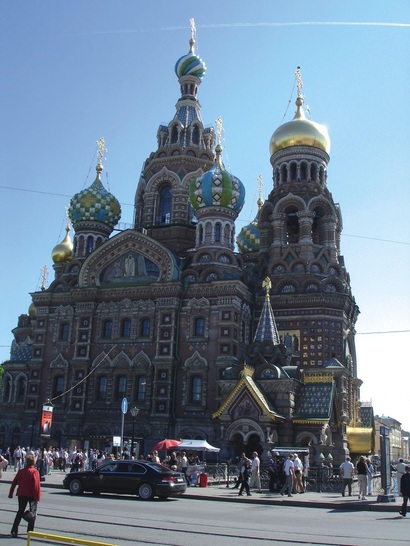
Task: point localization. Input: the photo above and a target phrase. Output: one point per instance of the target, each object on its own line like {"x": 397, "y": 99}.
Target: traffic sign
{"x": 124, "y": 406}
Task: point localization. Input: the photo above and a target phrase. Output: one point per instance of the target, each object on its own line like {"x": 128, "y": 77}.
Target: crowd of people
{"x": 286, "y": 474}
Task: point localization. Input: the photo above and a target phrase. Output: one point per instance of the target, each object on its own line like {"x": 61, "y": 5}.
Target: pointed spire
{"x": 266, "y": 330}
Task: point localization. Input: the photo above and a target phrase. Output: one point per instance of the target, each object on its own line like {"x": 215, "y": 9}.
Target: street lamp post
{"x": 134, "y": 412}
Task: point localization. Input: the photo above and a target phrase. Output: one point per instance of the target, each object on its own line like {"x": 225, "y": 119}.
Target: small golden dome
{"x": 32, "y": 311}
{"x": 300, "y": 132}
{"x": 63, "y": 252}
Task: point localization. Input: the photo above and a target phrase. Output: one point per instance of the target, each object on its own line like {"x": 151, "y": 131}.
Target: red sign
{"x": 46, "y": 420}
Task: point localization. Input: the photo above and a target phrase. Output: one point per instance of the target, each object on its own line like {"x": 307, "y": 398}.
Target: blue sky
{"x": 75, "y": 71}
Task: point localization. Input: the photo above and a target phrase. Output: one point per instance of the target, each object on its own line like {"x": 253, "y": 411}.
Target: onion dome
{"x": 249, "y": 238}
{"x": 190, "y": 64}
{"x": 32, "y": 311}
{"x": 217, "y": 188}
{"x": 63, "y": 252}
{"x": 95, "y": 204}
{"x": 300, "y": 132}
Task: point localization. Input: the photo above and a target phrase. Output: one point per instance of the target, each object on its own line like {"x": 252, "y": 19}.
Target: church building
{"x": 245, "y": 340}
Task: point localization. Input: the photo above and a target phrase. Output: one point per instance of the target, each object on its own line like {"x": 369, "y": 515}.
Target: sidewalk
{"x": 332, "y": 501}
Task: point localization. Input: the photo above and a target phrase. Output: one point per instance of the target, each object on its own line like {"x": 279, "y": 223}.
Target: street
{"x": 126, "y": 521}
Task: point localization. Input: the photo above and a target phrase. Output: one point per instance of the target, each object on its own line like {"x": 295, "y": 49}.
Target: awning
{"x": 361, "y": 440}
{"x": 197, "y": 445}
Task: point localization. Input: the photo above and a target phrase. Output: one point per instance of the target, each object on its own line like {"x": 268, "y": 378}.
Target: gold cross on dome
{"x": 101, "y": 150}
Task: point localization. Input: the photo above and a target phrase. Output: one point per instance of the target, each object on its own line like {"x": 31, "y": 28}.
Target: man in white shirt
{"x": 288, "y": 470}
{"x": 255, "y": 472}
{"x": 346, "y": 470}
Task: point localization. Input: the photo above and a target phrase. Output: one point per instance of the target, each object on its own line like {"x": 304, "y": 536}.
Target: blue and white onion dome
{"x": 95, "y": 204}
{"x": 190, "y": 64}
{"x": 217, "y": 188}
{"x": 249, "y": 238}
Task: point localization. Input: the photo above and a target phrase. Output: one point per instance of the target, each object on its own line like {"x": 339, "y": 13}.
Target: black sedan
{"x": 141, "y": 478}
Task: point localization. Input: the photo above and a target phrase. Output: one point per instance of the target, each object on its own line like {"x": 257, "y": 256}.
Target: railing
{"x": 320, "y": 479}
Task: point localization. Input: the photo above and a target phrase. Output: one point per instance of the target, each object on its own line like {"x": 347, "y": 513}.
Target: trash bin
{"x": 203, "y": 480}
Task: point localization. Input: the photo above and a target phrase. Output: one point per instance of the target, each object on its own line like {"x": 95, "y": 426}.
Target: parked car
{"x": 141, "y": 478}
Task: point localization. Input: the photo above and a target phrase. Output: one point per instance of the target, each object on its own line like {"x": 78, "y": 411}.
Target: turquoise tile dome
{"x": 95, "y": 204}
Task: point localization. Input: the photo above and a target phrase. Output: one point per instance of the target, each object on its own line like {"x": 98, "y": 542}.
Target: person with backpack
{"x": 245, "y": 470}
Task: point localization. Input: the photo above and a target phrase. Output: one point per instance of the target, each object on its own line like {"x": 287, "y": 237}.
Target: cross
{"x": 266, "y": 284}
{"x": 260, "y": 184}
{"x": 299, "y": 82}
{"x": 219, "y": 130}
{"x": 101, "y": 150}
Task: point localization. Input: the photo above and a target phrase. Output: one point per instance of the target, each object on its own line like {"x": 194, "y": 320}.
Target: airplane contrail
{"x": 251, "y": 25}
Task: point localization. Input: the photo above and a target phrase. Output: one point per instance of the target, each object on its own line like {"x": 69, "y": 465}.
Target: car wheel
{"x": 145, "y": 491}
{"x": 76, "y": 487}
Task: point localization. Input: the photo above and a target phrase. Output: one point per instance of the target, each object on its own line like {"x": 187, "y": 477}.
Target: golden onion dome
{"x": 32, "y": 310}
{"x": 63, "y": 252}
{"x": 300, "y": 132}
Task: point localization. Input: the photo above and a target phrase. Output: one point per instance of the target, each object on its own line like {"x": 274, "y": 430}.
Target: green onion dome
{"x": 95, "y": 204}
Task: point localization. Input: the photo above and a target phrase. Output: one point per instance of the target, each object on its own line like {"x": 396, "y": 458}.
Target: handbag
{"x": 30, "y": 515}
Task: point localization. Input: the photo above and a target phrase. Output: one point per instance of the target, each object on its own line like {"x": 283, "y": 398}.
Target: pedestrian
{"x": 405, "y": 490}
{"x": 240, "y": 465}
{"x": 298, "y": 469}
{"x": 245, "y": 468}
{"x": 273, "y": 473}
{"x": 400, "y": 469}
{"x": 288, "y": 470}
{"x": 17, "y": 456}
{"x": 255, "y": 480}
{"x": 362, "y": 472}
{"x": 370, "y": 477}
{"x": 347, "y": 470}
{"x": 3, "y": 464}
{"x": 29, "y": 492}
{"x": 184, "y": 467}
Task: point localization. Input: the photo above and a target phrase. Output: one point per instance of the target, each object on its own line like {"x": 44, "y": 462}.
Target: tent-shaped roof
{"x": 197, "y": 445}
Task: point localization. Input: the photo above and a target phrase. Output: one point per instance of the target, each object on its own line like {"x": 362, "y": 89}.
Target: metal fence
{"x": 322, "y": 478}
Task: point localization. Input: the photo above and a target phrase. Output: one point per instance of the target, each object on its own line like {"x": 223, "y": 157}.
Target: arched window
{"x": 141, "y": 388}
{"x": 102, "y": 386}
{"x": 64, "y": 331}
{"x": 199, "y": 327}
{"x": 217, "y": 233}
{"x": 145, "y": 327}
{"x": 165, "y": 205}
{"x": 121, "y": 390}
{"x": 90, "y": 244}
{"x": 58, "y": 385}
{"x": 21, "y": 389}
{"x": 6, "y": 388}
{"x": 107, "y": 329}
{"x": 126, "y": 328}
{"x": 174, "y": 134}
{"x": 195, "y": 135}
{"x": 196, "y": 389}
{"x": 293, "y": 171}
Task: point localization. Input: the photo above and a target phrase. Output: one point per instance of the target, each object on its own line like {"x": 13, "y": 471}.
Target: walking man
{"x": 288, "y": 470}
{"x": 346, "y": 470}
{"x": 255, "y": 472}
{"x": 405, "y": 489}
